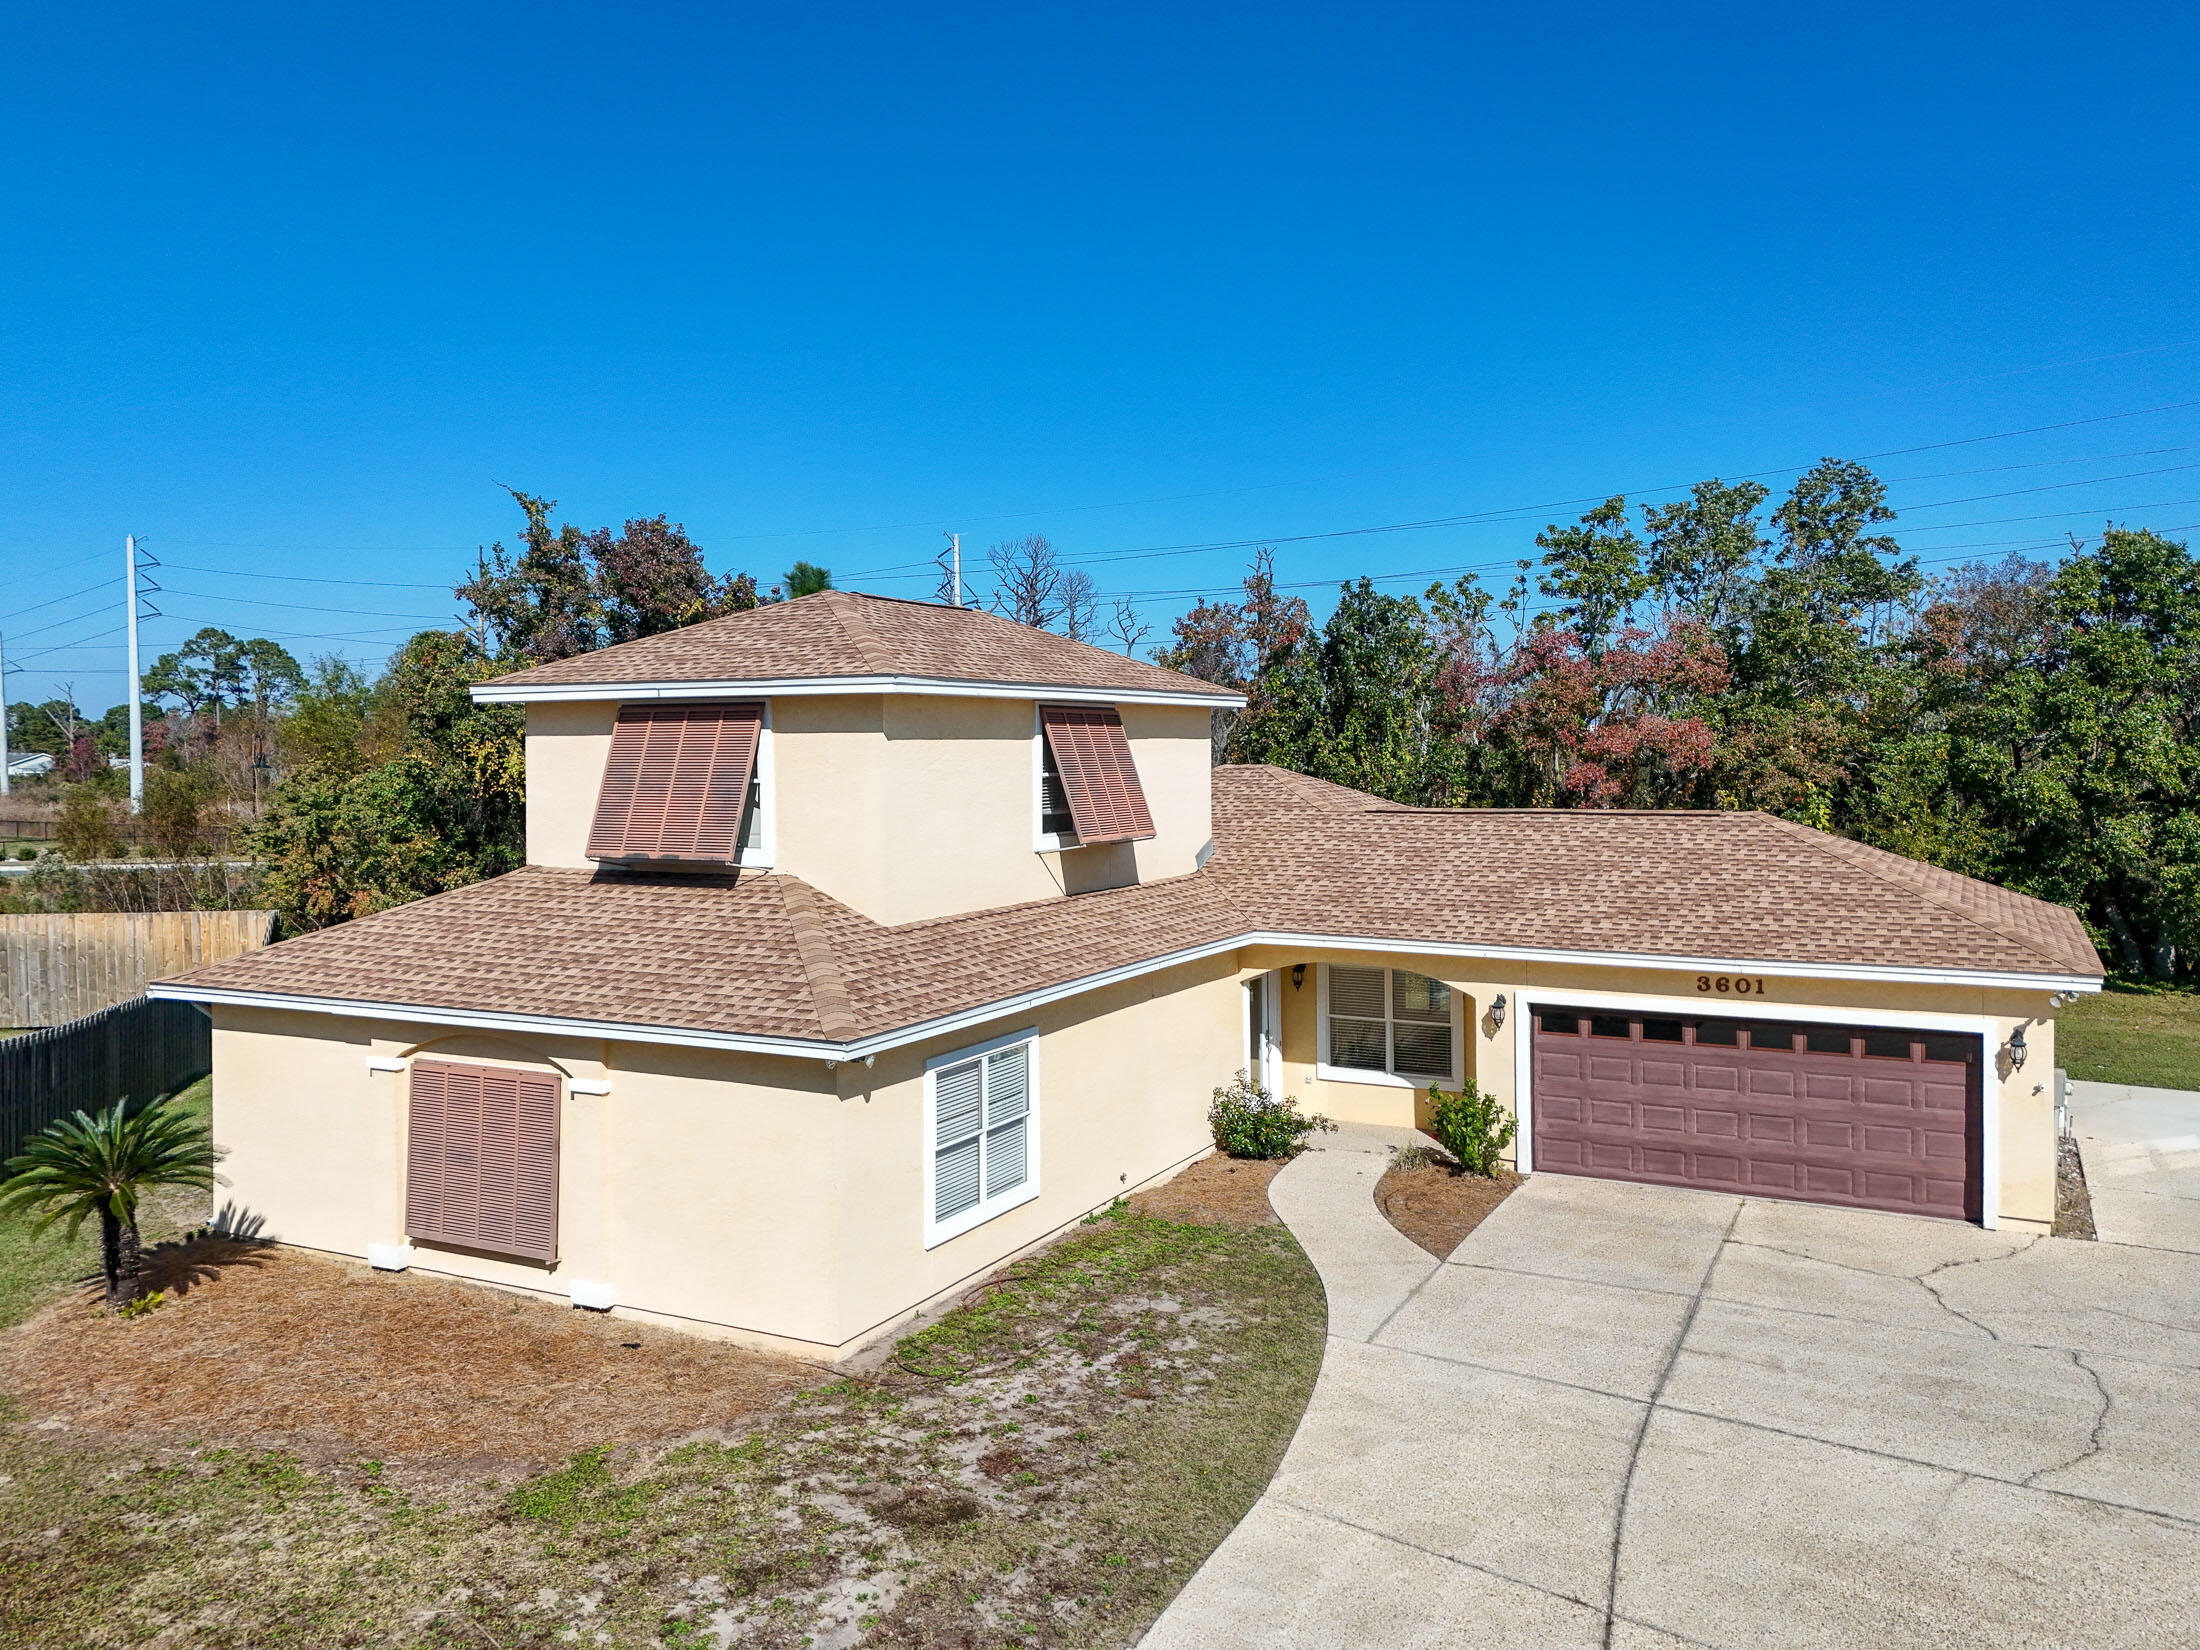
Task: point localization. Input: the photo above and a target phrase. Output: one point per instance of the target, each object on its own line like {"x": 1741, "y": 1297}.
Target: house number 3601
{"x": 1737, "y": 985}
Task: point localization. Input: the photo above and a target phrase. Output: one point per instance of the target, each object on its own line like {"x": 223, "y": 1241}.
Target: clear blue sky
{"x": 291, "y": 290}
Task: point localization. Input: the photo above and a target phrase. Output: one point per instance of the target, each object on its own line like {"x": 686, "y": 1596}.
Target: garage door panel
{"x": 1772, "y": 1128}
{"x": 1820, "y": 1120}
{"x": 1943, "y": 1147}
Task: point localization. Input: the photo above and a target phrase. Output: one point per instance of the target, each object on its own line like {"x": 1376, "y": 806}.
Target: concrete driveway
{"x": 2141, "y": 1149}
{"x": 1621, "y": 1415}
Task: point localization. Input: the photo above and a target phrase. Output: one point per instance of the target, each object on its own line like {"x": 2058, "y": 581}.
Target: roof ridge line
{"x": 849, "y": 616}
{"x": 1819, "y": 840}
{"x": 813, "y": 943}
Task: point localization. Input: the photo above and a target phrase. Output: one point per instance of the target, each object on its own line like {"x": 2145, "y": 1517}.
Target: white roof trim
{"x": 786, "y": 687}
{"x": 1022, "y": 1002}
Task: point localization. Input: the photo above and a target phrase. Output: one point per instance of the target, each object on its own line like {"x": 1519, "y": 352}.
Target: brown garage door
{"x": 1873, "y": 1117}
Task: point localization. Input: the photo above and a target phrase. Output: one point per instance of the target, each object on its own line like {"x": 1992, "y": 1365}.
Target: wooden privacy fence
{"x": 139, "y": 1049}
{"x": 55, "y": 968}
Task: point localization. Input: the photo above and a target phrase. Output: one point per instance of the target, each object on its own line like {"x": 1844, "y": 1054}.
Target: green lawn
{"x": 34, "y": 1269}
{"x": 2151, "y": 1038}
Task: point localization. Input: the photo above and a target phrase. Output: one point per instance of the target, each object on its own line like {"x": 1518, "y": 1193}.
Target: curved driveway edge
{"x": 1626, "y": 1416}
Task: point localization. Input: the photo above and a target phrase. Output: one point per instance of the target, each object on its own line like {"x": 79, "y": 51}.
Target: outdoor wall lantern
{"x": 2016, "y": 1049}
{"x": 1497, "y": 1012}
{"x": 1298, "y": 975}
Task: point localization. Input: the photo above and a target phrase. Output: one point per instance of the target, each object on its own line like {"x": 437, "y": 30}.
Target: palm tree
{"x": 86, "y": 1165}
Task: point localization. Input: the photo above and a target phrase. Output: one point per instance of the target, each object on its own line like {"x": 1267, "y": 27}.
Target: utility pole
{"x": 137, "y": 724}
{"x": 955, "y": 576}
{"x": 3, "y": 716}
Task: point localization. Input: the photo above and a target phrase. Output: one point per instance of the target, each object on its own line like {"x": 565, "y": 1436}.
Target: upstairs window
{"x": 1086, "y": 783}
{"x": 981, "y": 1130}
{"x": 682, "y": 786}
{"x": 1388, "y": 1025}
{"x": 1054, "y": 815}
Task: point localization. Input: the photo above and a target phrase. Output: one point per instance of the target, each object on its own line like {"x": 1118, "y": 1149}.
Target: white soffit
{"x": 861, "y": 1047}
{"x": 787, "y": 687}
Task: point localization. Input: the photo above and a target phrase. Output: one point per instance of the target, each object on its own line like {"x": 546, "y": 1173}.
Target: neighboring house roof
{"x": 838, "y": 641}
{"x": 768, "y": 961}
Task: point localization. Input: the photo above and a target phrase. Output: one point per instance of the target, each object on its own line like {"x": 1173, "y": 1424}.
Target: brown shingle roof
{"x": 769, "y": 956}
{"x": 841, "y": 633}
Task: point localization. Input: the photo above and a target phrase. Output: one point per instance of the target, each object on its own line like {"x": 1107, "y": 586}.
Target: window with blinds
{"x": 981, "y": 1125}
{"x": 481, "y": 1159}
{"x": 1392, "y": 1021}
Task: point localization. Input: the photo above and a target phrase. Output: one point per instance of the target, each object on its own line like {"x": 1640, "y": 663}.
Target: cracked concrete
{"x": 1622, "y": 1416}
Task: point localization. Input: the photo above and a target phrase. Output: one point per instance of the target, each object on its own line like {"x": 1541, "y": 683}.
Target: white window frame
{"x": 1043, "y": 841}
{"x": 762, "y": 856}
{"x": 937, "y": 1232}
{"x": 1387, "y": 1079}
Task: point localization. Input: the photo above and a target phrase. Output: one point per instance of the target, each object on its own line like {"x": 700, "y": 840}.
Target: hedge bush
{"x": 1248, "y": 1121}
{"x": 1471, "y": 1126}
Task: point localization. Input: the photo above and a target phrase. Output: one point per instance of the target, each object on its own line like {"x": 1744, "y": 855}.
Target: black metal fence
{"x": 139, "y": 1048}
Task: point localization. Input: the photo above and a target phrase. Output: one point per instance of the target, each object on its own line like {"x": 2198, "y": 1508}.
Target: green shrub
{"x": 1248, "y": 1121}
{"x": 1471, "y": 1126}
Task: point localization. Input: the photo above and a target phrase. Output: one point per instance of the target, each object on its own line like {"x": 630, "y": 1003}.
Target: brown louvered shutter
{"x": 676, "y": 782}
{"x": 1105, "y": 799}
{"x": 481, "y": 1159}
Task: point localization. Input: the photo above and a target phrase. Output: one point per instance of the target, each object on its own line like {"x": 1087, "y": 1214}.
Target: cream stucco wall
{"x": 2022, "y": 1155}
{"x": 903, "y": 806}
{"x": 757, "y": 1196}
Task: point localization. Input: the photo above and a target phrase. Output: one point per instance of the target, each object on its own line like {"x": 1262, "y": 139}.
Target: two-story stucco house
{"x": 865, "y": 943}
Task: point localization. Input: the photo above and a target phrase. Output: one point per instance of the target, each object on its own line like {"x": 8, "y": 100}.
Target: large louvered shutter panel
{"x": 675, "y": 783}
{"x": 482, "y": 1159}
{"x": 1105, "y": 798}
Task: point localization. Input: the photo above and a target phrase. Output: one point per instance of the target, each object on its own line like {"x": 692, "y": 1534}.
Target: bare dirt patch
{"x": 1215, "y": 1191}
{"x": 1043, "y": 1467}
{"x": 2073, "y": 1201}
{"x": 1437, "y": 1205}
{"x": 264, "y": 1346}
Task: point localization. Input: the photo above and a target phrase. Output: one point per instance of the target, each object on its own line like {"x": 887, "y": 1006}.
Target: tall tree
{"x": 1705, "y": 549}
{"x": 807, "y": 579}
{"x": 1595, "y": 570}
{"x": 1033, "y": 586}
{"x": 1352, "y": 704}
{"x": 2083, "y": 755}
{"x": 568, "y": 592}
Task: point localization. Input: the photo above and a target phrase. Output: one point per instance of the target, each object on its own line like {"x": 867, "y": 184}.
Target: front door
{"x": 1263, "y": 1031}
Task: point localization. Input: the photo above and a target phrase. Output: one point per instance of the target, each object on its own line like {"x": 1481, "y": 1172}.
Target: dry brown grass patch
{"x": 1436, "y": 1205}
{"x": 267, "y": 1346}
{"x": 1215, "y": 1191}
